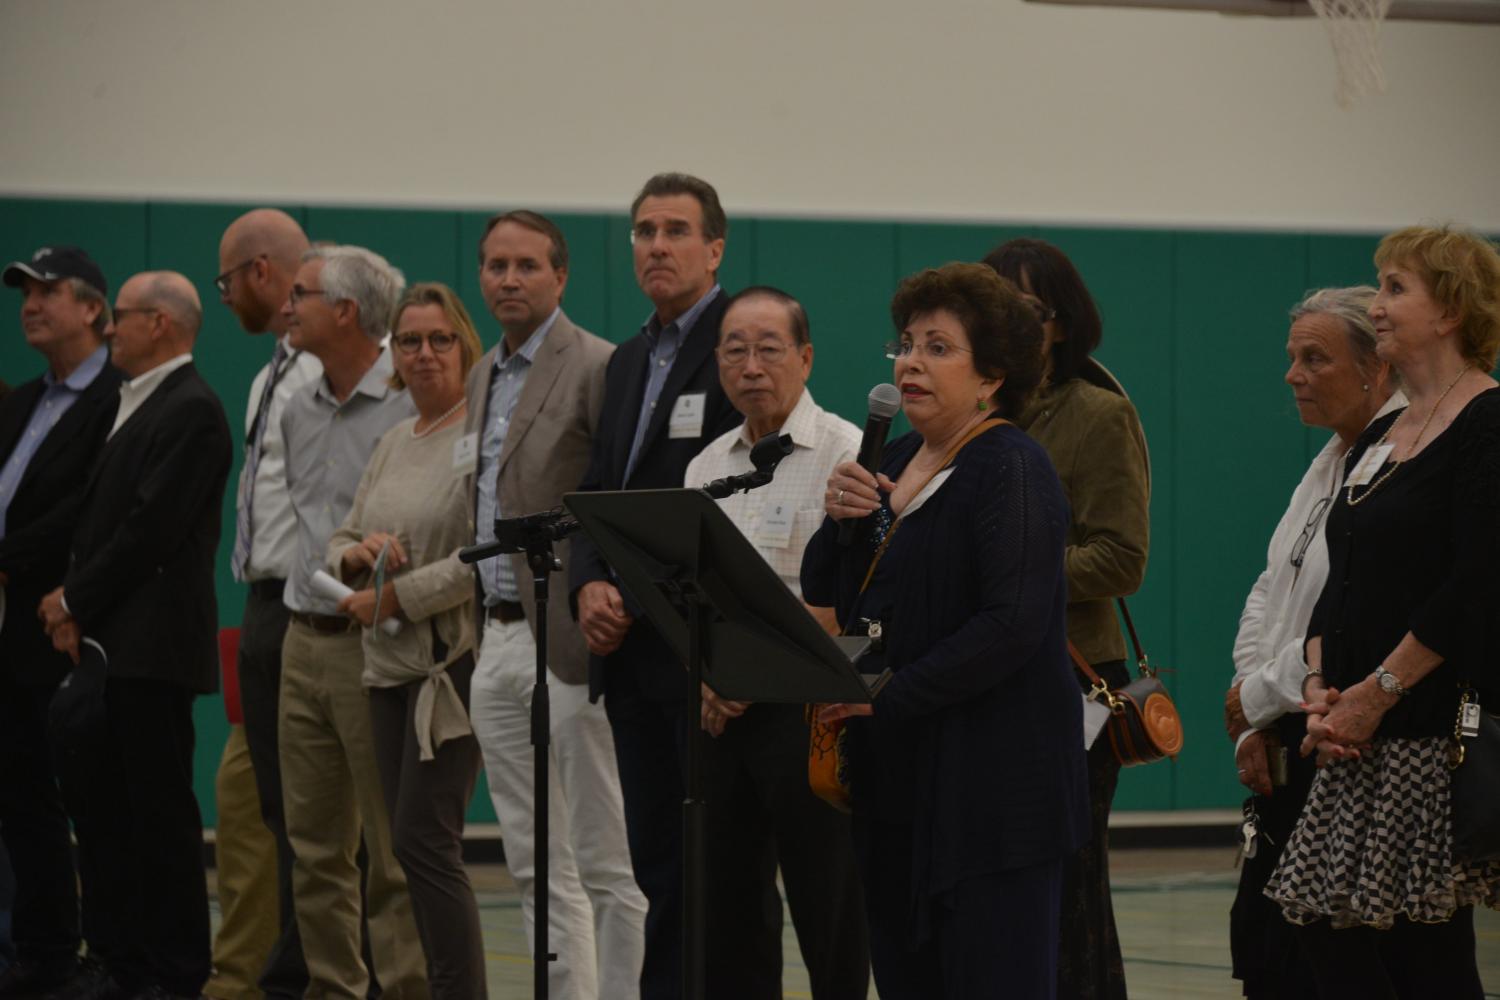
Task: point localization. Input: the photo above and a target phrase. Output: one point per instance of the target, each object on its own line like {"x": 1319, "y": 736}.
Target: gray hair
{"x": 354, "y": 274}
{"x": 85, "y": 292}
{"x": 1351, "y": 306}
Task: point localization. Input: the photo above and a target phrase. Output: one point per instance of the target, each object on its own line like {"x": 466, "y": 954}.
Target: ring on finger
{"x": 840, "y": 498}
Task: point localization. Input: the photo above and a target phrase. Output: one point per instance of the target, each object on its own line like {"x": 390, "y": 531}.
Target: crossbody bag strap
{"x": 1135, "y": 640}
{"x": 947, "y": 461}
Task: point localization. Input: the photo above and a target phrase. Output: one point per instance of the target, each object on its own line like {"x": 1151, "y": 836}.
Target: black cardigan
{"x": 1418, "y": 556}
{"x": 982, "y": 703}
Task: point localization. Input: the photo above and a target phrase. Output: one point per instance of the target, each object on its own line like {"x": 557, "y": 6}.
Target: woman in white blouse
{"x": 412, "y": 508}
{"x": 1338, "y": 383}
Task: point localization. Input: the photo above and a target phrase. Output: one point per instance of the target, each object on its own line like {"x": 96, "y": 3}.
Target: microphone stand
{"x": 534, "y": 535}
{"x": 765, "y": 455}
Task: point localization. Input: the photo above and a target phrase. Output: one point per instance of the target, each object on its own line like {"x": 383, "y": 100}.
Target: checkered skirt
{"x": 1375, "y": 842}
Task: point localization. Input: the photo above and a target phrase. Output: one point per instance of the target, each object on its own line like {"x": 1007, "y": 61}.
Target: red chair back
{"x": 229, "y": 668}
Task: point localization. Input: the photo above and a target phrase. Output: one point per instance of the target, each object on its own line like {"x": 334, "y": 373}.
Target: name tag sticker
{"x": 1469, "y": 723}
{"x": 1369, "y": 465}
{"x": 466, "y": 454}
{"x": 775, "y": 526}
{"x": 687, "y": 415}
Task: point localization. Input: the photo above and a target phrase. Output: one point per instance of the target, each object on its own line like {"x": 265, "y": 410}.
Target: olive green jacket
{"x": 1094, "y": 438}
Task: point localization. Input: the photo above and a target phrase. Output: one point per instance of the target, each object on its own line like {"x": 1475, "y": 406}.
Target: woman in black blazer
{"x": 967, "y": 770}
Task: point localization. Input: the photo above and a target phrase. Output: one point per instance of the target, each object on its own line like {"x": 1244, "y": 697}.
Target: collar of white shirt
{"x": 134, "y": 392}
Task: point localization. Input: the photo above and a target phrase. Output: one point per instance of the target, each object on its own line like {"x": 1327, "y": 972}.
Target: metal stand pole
{"x": 694, "y": 816}
{"x": 543, "y": 562}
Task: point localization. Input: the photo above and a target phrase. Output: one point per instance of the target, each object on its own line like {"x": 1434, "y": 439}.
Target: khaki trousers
{"x": 245, "y": 861}
{"x": 331, "y": 792}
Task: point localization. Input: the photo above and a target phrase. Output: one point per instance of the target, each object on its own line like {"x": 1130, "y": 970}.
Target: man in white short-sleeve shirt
{"x": 755, "y": 769}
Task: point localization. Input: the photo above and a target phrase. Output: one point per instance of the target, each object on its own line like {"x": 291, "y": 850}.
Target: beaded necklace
{"x": 418, "y": 435}
{"x": 1349, "y": 489}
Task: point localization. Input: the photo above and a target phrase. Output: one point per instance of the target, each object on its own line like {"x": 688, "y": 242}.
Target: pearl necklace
{"x": 417, "y": 435}
{"x": 1349, "y": 497}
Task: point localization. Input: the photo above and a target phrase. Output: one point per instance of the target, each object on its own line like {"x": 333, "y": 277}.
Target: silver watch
{"x": 1389, "y": 682}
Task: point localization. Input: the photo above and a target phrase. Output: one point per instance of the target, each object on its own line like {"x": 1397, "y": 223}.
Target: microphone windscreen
{"x": 885, "y": 400}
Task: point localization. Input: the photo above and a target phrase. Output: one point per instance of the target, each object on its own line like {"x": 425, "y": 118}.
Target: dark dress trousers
{"x": 34, "y": 555}
{"x": 644, "y": 685}
{"x": 141, "y": 584}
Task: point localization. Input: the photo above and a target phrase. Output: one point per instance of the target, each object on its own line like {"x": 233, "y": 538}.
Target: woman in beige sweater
{"x": 1094, "y": 438}
{"x": 412, "y": 507}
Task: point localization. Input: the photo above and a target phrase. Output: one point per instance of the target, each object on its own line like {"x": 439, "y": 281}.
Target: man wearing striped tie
{"x": 258, "y": 257}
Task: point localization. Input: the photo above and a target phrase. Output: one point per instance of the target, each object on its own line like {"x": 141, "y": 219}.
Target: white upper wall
{"x": 961, "y": 109}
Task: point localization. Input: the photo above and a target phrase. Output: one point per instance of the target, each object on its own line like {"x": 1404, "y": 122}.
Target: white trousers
{"x": 598, "y": 914}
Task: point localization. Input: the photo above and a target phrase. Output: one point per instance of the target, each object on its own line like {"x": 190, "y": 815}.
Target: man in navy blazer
{"x": 140, "y": 582}
{"x": 662, "y": 404}
{"x": 51, "y": 430}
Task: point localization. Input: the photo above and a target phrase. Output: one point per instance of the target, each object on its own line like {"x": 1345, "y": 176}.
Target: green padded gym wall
{"x": 1195, "y": 323}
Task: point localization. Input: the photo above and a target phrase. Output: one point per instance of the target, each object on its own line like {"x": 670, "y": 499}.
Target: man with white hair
{"x": 337, "y": 310}
{"x": 140, "y": 584}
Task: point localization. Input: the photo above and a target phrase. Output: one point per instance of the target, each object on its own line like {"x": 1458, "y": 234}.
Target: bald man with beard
{"x": 259, "y": 255}
{"x": 140, "y": 583}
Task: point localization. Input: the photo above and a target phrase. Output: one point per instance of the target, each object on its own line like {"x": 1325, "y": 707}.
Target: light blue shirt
{"x": 666, "y": 341}
{"x": 56, "y": 399}
{"x": 496, "y": 574}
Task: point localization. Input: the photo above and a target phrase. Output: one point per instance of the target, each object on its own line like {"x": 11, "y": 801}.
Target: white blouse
{"x": 1268, "y": 659}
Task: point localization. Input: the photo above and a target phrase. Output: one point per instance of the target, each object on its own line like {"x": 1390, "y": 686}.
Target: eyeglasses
{"x": 1309, "y": 530}
{"x": 119, "y": 311}
{"x": 411, "y": 343}
{"x": 769, "y": 353}
{"x": 936, "y": 350}
{"x": 222, "y": 281}
{"x": 298, "y": 293}
{"x": 675, "y": 232}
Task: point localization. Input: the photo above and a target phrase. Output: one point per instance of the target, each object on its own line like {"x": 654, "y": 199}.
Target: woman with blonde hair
{"x": 412, "y": 509}
{"x": 1402, "y": 626}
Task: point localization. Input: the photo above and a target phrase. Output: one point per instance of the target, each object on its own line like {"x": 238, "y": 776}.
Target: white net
{"x": 1354, "y": 29}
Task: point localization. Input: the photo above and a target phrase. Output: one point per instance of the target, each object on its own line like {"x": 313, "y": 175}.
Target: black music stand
{"x": 734, "y": 624}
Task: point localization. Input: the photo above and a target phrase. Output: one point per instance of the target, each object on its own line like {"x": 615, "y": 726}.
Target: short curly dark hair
{"x": 1005, "y": 334}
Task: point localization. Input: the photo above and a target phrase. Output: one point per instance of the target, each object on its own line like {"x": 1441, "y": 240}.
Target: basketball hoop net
{"x": 1354, "y": 29}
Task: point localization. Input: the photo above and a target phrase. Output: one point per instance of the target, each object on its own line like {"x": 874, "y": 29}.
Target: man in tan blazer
{"x": 534, "y": 405}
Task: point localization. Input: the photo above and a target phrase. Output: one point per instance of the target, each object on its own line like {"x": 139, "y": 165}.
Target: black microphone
{"x": 885, "y": 401}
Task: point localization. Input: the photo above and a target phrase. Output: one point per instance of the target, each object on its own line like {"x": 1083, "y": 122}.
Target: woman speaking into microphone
{"x": 967, "y": 770}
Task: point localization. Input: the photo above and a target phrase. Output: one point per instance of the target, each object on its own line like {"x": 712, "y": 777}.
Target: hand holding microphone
{"x": 853, "y": 489}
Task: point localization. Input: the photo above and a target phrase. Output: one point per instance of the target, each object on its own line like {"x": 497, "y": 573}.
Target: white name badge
{"x": 1369, "y": 465}
{"x": 466, "y": 454}
{"x": 775, "y": 531}
{"x": 687, "y": 415}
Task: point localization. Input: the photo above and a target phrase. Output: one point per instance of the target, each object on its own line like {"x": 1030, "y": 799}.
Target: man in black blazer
{"x": 51, "y": 431}
{"x": 662, "y": 404}
{"x": 140, "y": 582}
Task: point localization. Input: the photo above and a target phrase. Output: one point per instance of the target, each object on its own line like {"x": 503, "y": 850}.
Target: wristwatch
{"x": 1389, "y": 682}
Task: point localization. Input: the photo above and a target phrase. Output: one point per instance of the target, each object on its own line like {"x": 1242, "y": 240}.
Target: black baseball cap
{"x": 54, "y": 264}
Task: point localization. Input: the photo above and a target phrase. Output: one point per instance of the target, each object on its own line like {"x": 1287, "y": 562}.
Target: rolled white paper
{"x": 327, "y": 587}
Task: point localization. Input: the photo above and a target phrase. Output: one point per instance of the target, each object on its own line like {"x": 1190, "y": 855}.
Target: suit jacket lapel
{"x": 546, "y": 366}
{"x": 696, "y": 347}
{"x": 22, "y": 401}
{"x": 634, "y": 375}
{"x": 142, "y": 416}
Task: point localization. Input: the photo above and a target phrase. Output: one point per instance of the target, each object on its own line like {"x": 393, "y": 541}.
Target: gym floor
{"x": 1171, "y": 905}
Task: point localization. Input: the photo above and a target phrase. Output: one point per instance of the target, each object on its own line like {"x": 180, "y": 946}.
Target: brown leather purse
{"x": 1143, "y": 724}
